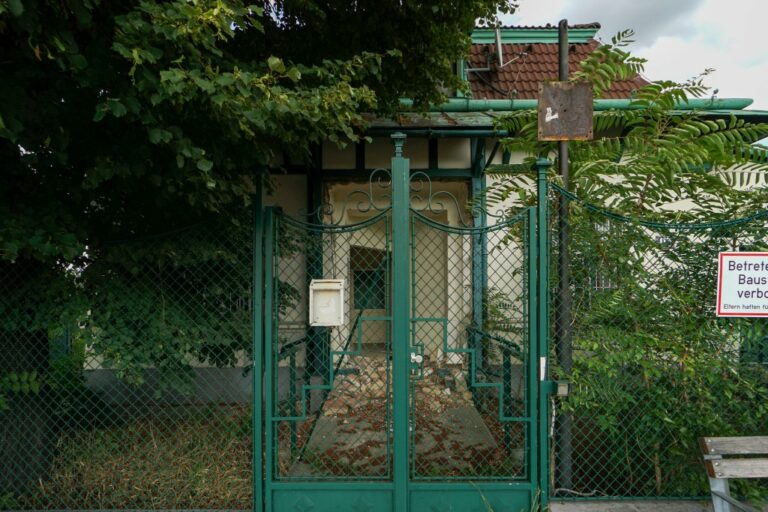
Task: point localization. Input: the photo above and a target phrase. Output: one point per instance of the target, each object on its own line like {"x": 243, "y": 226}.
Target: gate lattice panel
{"x": 469, "y": 313}
{"x": 331, "y": 395}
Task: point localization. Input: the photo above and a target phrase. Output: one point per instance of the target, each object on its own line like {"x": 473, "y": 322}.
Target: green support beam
{"x": 479, "y": 244}
{"x": 268, "y": 340}
{"x": 400, "y": 321}
{"x": 541, "y": 308}
{"x": 476, "y": 105}
{"x": 515, "y": 35}
{"x": 257, "y": 317}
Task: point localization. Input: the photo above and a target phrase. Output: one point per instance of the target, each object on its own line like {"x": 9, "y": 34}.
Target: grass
{"x": 179, "y": 458}
{"x": 171, "y": 458}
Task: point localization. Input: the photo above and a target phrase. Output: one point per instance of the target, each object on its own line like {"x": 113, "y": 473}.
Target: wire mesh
{"x": 125, "y": 382}
{"x": 330, "y": 387}
{"x": 653, "y": 368}
{"x": 469, "y": 311}
{"x": 124, "y": 376}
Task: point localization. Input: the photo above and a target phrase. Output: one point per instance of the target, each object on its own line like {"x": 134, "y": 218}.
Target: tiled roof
{"x": 535, "y": 62}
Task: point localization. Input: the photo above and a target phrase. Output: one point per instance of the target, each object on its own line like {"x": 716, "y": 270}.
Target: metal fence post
{"x": 542, "y": 327}
{"x": 269, "y": 315}
{"x": 257, "y": 361}
{"x": 400, "y": 319}
{"x": 564, "y": 302}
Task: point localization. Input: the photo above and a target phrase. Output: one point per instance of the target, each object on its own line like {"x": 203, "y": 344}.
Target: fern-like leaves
{"x": 654, "y": 156}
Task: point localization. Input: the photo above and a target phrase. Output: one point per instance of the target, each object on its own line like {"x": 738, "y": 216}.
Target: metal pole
{"x": 479, "y": 251}
{"x": 564, "y": 317}
{"x": 257, "y": 312}
{"x": 539, "y": 258}
{"x": 268, "y": 362}
{"x": 400, "y": 320}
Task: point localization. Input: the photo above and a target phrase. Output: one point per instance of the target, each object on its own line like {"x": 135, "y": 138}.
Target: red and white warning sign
{"x": 742, "y": 284}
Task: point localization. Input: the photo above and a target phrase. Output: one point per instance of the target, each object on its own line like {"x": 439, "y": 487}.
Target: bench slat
{"x": 738, "y": 468}
{"x": 755, "y": 445}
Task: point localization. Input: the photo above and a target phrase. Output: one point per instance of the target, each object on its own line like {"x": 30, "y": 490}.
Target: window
{"x": 369, "y": 278}
{"x": 369, "y": 289}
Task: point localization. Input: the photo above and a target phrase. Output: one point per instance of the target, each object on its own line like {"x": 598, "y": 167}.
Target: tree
{"x": 653, "y": 368}
{"x": 119, "y": 117}
{"x": 124, "y": 119}
{"x": 650, "y": 155}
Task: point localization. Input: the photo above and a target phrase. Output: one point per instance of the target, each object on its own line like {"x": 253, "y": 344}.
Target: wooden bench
{"x": 733, "y": 457}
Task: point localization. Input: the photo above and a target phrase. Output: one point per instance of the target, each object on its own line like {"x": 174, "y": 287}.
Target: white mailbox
{"x": 326, "y": 302}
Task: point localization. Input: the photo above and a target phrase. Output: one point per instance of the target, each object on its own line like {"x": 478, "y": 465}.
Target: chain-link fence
{"x": 470, "y": 396}
{"x": 653, "y": 368}
{"x": 124, "y": 375}
{"x": 329, "y": 388}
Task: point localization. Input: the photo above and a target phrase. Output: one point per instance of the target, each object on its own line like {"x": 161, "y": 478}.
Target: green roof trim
{"x": 481, "y": 124}
{"x": 474, "y": 105}
{"x": 531, "y": 35}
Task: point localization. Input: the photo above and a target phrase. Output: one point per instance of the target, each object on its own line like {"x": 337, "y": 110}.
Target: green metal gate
{"x": 426, "y": 394}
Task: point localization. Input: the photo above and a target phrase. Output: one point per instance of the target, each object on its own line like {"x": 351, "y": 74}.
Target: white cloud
{"x": 680, "y": 38}
{"x": 649, "y": 18}
{"x": 538, "y": 12}
{"x": 726, "y": 39}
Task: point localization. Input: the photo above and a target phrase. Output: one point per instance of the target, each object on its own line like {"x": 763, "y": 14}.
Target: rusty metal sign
{"x": 565, "y": 111}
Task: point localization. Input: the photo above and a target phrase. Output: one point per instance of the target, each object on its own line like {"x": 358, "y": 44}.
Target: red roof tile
{"x": 534, "y": 63}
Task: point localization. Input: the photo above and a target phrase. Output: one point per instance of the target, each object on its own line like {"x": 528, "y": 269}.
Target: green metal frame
{"x": 515, "y": 35}
{"x": 540, "y": 304}
{"x": 268, "y": 340}
{"x": 258, "y": 313}
{"x": 400, "y": 319}
{"x": 401, "y": 491}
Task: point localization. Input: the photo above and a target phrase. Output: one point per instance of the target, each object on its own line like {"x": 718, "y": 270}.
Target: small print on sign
{"x": 742, "y": 284}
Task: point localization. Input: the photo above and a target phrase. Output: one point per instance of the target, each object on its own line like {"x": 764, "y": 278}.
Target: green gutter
{"x": 531, "y": 35}
{"x": 487, "y": 130}
{"x": 474, "y": 105}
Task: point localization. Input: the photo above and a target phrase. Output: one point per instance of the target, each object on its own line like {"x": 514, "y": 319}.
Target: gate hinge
{"x": 561, "y": 388}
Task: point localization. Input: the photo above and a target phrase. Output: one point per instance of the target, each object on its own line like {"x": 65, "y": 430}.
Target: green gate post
{"x": 268, "y": 343}
{"x": 400, "y": 320}
{"x": 542, "y": 327}
{"x": 257, "y": 312}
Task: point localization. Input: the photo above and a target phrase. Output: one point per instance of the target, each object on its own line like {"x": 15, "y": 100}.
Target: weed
{"x": 191, "y": 458}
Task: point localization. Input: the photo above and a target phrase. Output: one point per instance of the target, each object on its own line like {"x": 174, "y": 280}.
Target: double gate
{"x": 427, "y": 393}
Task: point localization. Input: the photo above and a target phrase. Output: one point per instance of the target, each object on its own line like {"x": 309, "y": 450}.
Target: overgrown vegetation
{"x": 127, "y": 119}
{"x": 653, "y": 367}
{"x": 199, "y": 457}
{"x": 652, "y": 155}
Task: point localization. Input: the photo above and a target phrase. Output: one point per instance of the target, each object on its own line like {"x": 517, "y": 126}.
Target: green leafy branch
{"x": 653, "y": 154}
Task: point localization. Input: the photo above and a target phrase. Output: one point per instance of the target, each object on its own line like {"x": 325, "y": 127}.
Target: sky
{"x": 680, "y": 38}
